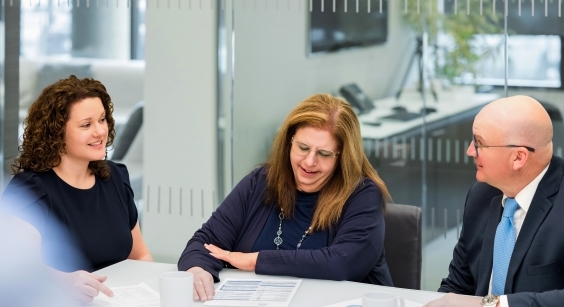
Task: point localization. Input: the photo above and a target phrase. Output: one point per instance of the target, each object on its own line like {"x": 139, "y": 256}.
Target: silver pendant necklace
{"x": 278, "y": 240}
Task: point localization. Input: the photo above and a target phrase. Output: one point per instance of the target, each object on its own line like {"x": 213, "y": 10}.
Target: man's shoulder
{"x": 481, "y": 194}
{"x": 482, "y": 189}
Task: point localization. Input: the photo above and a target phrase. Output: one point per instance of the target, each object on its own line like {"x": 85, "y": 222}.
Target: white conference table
{"x": 311, "y": 293}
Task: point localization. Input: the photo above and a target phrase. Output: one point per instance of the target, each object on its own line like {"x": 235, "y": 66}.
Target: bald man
{"x": 519, "y": 178}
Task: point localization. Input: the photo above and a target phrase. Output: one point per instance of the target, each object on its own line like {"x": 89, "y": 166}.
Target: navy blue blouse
{"x": 293, "y": 229}
{"x": 81, "y": 229}
{"x": 353, "y": 249}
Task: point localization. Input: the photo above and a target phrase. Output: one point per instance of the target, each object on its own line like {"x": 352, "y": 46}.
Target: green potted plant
{"x": 453, "y": 34}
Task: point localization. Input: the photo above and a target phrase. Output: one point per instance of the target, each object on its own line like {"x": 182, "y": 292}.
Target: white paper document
{"x": 255, "y": 292}
{"x": 139, "y": 295}
{"x": 358, "y": 303}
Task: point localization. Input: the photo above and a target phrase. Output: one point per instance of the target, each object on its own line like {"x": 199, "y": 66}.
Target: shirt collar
{"x": 525, "y": 196}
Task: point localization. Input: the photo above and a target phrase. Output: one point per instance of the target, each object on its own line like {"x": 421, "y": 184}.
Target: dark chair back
{"x": 403, "y": 245}
{"x": 127, "y": 135}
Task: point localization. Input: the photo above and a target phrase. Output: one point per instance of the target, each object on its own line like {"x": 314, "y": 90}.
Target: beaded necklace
{"x": 278, "y": 240}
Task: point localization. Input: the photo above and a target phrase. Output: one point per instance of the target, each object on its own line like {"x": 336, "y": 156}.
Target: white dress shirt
{"x": 524, "y": 199}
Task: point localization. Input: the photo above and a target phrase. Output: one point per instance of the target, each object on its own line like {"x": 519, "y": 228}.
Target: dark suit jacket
{"x": 535, "y": 276}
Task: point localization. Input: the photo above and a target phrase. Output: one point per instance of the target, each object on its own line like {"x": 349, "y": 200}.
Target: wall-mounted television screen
{"x": 341, "y": 24}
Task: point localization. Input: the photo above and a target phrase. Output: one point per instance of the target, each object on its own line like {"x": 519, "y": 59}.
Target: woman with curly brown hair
{"x": 80, "y": 204}
{"x": 314, "y": 210}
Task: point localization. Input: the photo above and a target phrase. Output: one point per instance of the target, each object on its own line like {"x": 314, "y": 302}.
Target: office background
{"x": 216, "y": 78}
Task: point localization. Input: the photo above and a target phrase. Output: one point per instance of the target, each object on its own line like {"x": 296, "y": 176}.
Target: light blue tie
{"x": 504, "y": 243}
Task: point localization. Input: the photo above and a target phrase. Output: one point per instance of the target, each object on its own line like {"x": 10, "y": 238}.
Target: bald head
{"x": 519, "y": 120}
{"x": 515, "y": 134}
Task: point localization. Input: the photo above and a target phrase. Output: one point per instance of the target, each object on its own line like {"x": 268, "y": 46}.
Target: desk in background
{"x": 396, "y": 150}
{"x": 450, "y": 108}
{"x": 312, "y": 292}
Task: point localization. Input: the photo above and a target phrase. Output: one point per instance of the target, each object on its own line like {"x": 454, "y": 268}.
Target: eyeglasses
{"x": 302, "y": 149}
{"x": 476, "y": 146}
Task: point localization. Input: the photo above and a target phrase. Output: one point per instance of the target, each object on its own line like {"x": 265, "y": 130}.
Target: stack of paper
{"x": 254, "y": 292}
{"x": 140, "y": 295}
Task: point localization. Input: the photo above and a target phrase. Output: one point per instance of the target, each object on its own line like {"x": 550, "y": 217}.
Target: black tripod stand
{"x": 417, "y": 54}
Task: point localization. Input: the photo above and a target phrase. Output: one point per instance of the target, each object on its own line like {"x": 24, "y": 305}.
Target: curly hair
{"x": 44, "y": 127}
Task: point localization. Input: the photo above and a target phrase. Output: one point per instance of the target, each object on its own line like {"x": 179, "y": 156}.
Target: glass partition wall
{"x": 417, "y": 72}
{"x": 427, "y": 67}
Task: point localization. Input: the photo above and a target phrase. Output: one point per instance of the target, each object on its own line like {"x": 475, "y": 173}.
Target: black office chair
{"x": 403, "y": 245}
{"x": 553, "y": 111}
{"x": 128, "y": 149}
{"x": 127, "y": 135}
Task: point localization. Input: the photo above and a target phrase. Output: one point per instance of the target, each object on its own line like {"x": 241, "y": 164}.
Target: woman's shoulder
{"x": 118, "y": 169}
{"x": 367, "y": 184}
{"x": 256, "y": 179}
{"x": 29, "y": 180}
{"x": 257, "y": 174}
{"x": 366, "y": 193}
{"x": 25, "y": 188}
{"x": 116, "y": 165}
{"x": 259, "y": 171}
